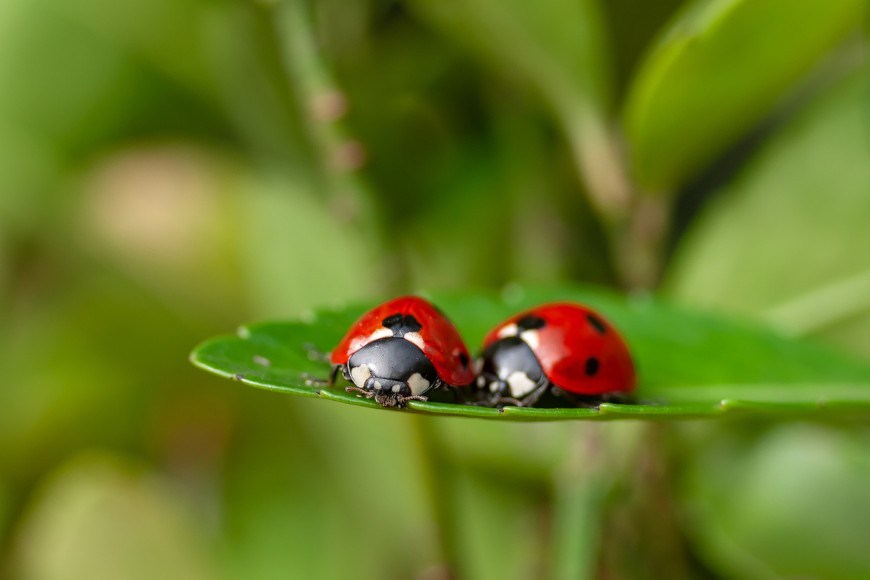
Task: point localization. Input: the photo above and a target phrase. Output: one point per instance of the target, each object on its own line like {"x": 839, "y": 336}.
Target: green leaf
{"x": 690, "y": 364}
{"x": 754, "y": 500}
{"x": 143, "y": 528}
{"x": 785, "y": 238}
{"x": 560, "y": 49}
{"x": 556, "y": 46}
{"x": 719, "y": 69}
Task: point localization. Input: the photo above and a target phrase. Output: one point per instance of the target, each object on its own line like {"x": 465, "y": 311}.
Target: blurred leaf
{"x": 41, "y": 53}
{"x": 263, "y": 106}
{"x": 635, "y": 26}
{"x": 302, "y": 474}
{"x": 557, "y": 46}
{"x": 6, "y": 508}
{"x": 689, "y": 364}
{"x": 164, "y": 34}
{"x": 78, "y": 73}
{"x": 788, "y": 503}
{"x": 789, "y": 234}
{"x": 560, "y": 49}
{"x": 55, "y": 402}
{"x": 77, "y": 77}
{"x": 98, "y": 518}
{"x": 279, "y": 217}
{"x": 718, "y": 70}
{"x": 495, "y": 515}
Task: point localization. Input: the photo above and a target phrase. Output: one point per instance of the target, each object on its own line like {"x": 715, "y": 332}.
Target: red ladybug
{"x": 400, "y": 350}
{"x": 562, "y": 345}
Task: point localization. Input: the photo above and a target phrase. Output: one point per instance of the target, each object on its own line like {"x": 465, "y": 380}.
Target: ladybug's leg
{"x": 500, "y": 402}
{"x": 368, "y": 394}
{"x": 532, "y": 398}
{"x": 401, "y": 402}
{"x": 484, "y": 403}
{"x": 486, "y": 396}
{"x": 528, "y": 401}
{"x": 442, "y": 386}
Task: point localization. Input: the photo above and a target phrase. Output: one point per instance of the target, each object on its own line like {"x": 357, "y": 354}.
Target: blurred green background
{"x": 174, "y": 168}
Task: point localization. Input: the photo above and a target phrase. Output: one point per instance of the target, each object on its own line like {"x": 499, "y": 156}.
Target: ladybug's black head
{"x": 391, "y": 370}
{"x": 510, "y": 368}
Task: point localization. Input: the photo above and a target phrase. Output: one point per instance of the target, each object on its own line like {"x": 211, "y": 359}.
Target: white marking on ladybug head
{"x": 418, "y": 384}
{"x": 378, "y": 385}
{"x": 493, "y": 387}
{"x": 481, "y": 382}
{"x": 381, "y": 333}
{"x": 397, "y": 388}
{"x": 508, "y": 330}
{"x": 531, "y": 338}
{"x": 360, "y": 375}
{"x": 415, "y": 338}
{"x": 520, "y": 384}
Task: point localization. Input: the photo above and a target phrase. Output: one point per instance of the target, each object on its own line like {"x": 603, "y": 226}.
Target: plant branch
{"x": 636, "y": 222}
{"x": 582, "y": 485}
{"x": 434, "y": 470}
{"x": 324, "y": 104}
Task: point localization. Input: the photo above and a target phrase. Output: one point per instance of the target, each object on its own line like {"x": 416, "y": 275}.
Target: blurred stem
{"x": 639, "y": 243}
{"x": 341, "y": 157}
{"x": 435, "y": 468}
{"x": 600, "y": 164}
{"x": 582, "y": 484}
{"x": 636, "y": 222}
{"x": 325, "y": 104}
{"x": 666, "y": 552}
{"x": 613, "y": 497}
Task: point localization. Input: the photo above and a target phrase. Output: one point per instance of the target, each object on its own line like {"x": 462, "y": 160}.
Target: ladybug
{"x": 399, "y": 351}
{"x": 564, "y": 347}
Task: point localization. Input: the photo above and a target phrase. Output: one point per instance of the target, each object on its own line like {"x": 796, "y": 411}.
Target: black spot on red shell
{"x": 592, "y": 366}
{"x": 596, "y": 323}
{"x": 463, "y": 358}
{"x": 531, "y": 322}
{"x": 399, "y": 324}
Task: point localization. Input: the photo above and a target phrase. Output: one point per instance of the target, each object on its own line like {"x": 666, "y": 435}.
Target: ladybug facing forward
{"x": 400, "y": 350}
{"x": 563, "y": 345}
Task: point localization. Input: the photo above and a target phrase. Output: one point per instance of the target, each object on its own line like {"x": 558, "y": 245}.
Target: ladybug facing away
{"x": 400, "y": 350}
{"x": 565, "y": 346}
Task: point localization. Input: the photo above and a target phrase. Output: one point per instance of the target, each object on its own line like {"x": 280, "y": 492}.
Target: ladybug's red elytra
{"x": 399, "y": 351}
{"x": 563, "y": 345}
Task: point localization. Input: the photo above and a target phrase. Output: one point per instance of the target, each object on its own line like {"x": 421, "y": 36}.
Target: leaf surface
{"x": 722, "y": 66}
{"x": 690, "y": 364}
